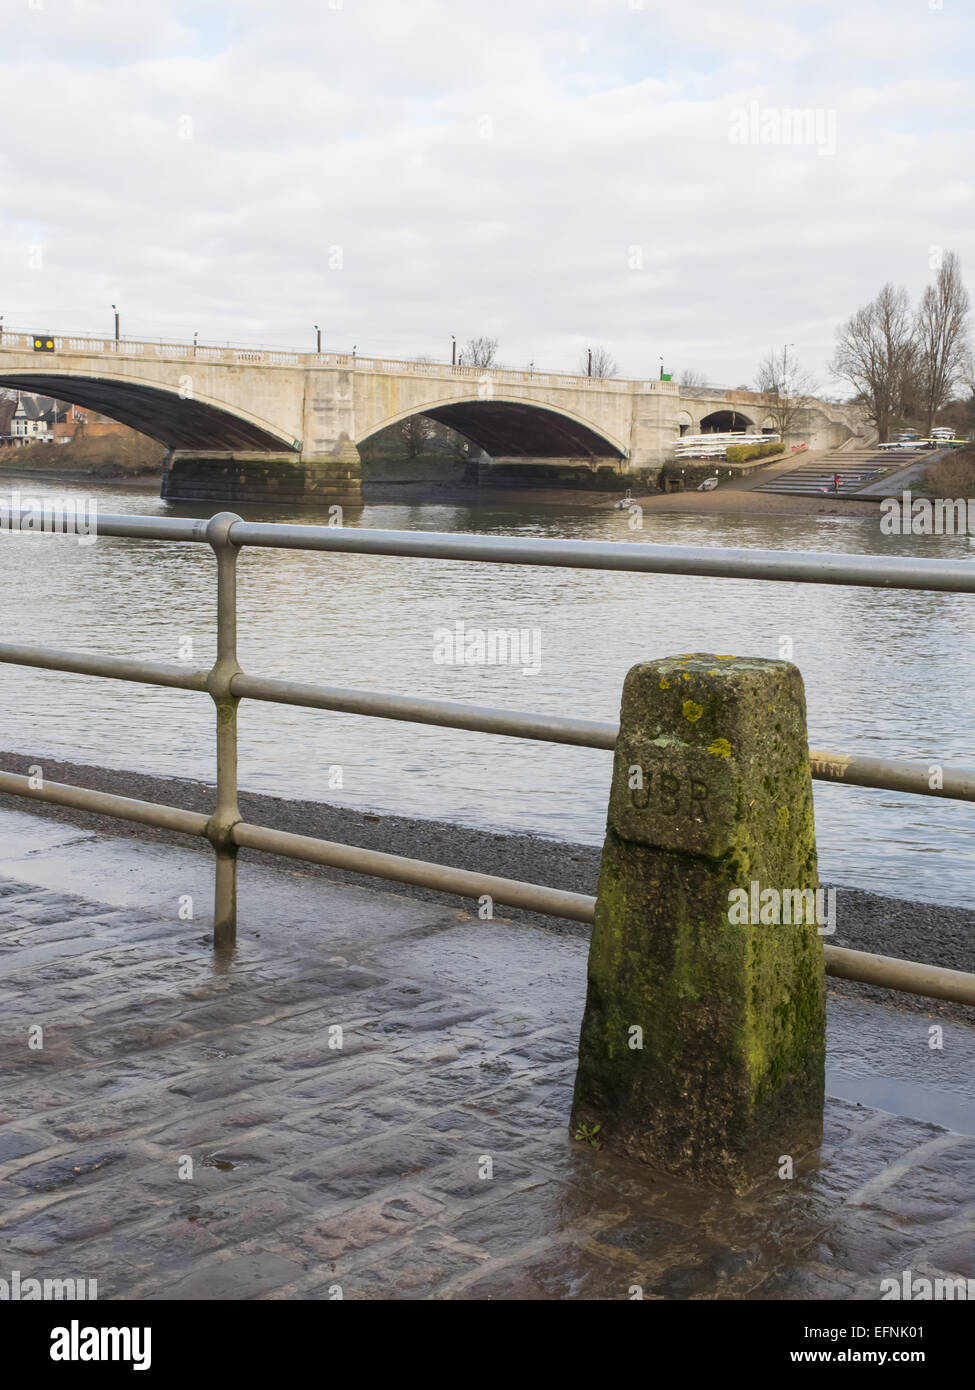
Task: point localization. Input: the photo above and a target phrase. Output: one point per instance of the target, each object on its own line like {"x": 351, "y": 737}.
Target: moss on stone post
{"x": 703, "y": 1041}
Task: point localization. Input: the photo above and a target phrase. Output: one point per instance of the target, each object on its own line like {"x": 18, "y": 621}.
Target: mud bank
{"x": 147, "y": 480}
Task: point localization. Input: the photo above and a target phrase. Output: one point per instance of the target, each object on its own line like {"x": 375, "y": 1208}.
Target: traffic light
{"x": 43, "y": 342}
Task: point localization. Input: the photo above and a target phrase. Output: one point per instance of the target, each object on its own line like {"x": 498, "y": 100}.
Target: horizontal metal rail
{"x": 105, "y": 804}
{"x": 885, "y": 774}
{"x": 118, "y": 668}
{"x": 900, "y": 572}
{"x": 932, "y": 981}
{"x": 227, "y": 684}
{"x": 638, "y": 557}
{"x": 445, "y": 714}
{"x": 554, "y": 902}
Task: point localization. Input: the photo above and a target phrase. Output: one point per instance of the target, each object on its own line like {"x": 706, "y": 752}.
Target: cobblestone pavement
{"x": 191, "y": 1128}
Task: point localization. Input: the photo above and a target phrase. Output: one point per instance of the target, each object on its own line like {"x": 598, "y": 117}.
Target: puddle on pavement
{"x": 945, "y": 1108}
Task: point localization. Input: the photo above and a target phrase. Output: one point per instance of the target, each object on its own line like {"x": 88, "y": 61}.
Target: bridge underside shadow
{"x": 506, "y": 429}
{"x": 177, "y": 422}
{"x": 726, "y": 421}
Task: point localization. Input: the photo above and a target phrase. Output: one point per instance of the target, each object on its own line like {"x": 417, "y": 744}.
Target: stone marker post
{"x": 703, "y": 1041}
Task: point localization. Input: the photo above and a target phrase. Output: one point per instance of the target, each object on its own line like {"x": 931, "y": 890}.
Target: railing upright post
{"x": 227, "y": 814}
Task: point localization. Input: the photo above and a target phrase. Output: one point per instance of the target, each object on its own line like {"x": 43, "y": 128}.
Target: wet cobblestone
{"x": 197, "y": 1129}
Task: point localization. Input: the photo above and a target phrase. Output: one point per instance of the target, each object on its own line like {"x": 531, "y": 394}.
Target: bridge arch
{"x": 513, "y": 426}
{"x": 723, "y": 421}
{"x": 190, "y": 421}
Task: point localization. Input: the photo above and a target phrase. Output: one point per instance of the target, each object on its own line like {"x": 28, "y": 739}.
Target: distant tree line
{"x": 906, "y": 364}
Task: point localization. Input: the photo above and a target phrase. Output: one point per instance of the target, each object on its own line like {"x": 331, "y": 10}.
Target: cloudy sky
{"x": 553, "y": 173}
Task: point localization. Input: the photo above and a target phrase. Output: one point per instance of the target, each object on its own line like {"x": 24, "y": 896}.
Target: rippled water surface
{"x": 886, "y": 672}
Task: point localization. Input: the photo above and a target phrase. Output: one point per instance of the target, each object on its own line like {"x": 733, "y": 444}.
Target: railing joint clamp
{"x": 220, "y": 831}
{"x": 220, "y": 680}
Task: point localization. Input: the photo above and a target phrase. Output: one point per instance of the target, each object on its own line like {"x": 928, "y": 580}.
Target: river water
{"x": 886, "y": 672}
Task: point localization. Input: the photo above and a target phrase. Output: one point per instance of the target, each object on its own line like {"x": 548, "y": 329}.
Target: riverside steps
{"x": 703, "y": 1040}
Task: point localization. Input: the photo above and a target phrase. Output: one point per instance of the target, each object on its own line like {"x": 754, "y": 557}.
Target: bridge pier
{"x": 242, "y": 476}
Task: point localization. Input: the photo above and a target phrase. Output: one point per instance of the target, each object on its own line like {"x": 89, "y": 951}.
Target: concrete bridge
{"x": 244, "y": 424}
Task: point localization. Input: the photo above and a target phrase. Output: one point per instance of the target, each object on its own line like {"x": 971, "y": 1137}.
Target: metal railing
{"x": 227, "y": 684}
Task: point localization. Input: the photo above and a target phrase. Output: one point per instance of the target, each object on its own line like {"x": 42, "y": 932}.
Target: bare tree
{"x": 459, "y": 448}
{"x": 787, "y": 385}
{"x": 480, "y": 352}
{"x": 968, "y": 376}
{"x": 960, "y": 414}
{"x": 908, "y": 393}
{"x": 416, "y": 431}
{"x": 874, "y": 352}
{"x": 598, "y": 361}
{"x": 942, "y": 338}
{"x": 692, "y": 378}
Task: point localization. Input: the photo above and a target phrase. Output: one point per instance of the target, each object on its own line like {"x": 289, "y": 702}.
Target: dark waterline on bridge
{"x": 886, "y": 672}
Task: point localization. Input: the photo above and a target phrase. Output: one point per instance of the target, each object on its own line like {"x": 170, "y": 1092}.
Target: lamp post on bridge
{"x": 115, "y": 311}
{"x": 453, "y": 350}
{"x": 785, "y": 367}
{"x": 589, "y": 362}
{"x": 318, "y": 334}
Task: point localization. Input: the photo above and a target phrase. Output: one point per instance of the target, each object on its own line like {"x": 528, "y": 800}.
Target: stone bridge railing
{"x": 235, "y": 356}
{"x": 499, "y": 376}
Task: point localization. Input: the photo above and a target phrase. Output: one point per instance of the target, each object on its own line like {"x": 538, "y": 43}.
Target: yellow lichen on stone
{"x": 721, "y": 748}
{"x": 691, "y": 711}
{"x": 664, "y": 683}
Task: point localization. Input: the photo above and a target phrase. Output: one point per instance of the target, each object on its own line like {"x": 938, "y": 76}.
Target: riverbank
{"x": 139, "y": 482}
{"x": 730, "y": 500}
{"x": 866, "y": 921}
{"x": 107, "y": 457}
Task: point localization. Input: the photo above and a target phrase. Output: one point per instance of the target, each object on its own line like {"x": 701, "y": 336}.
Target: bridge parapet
{"x": 272, "y": 357}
